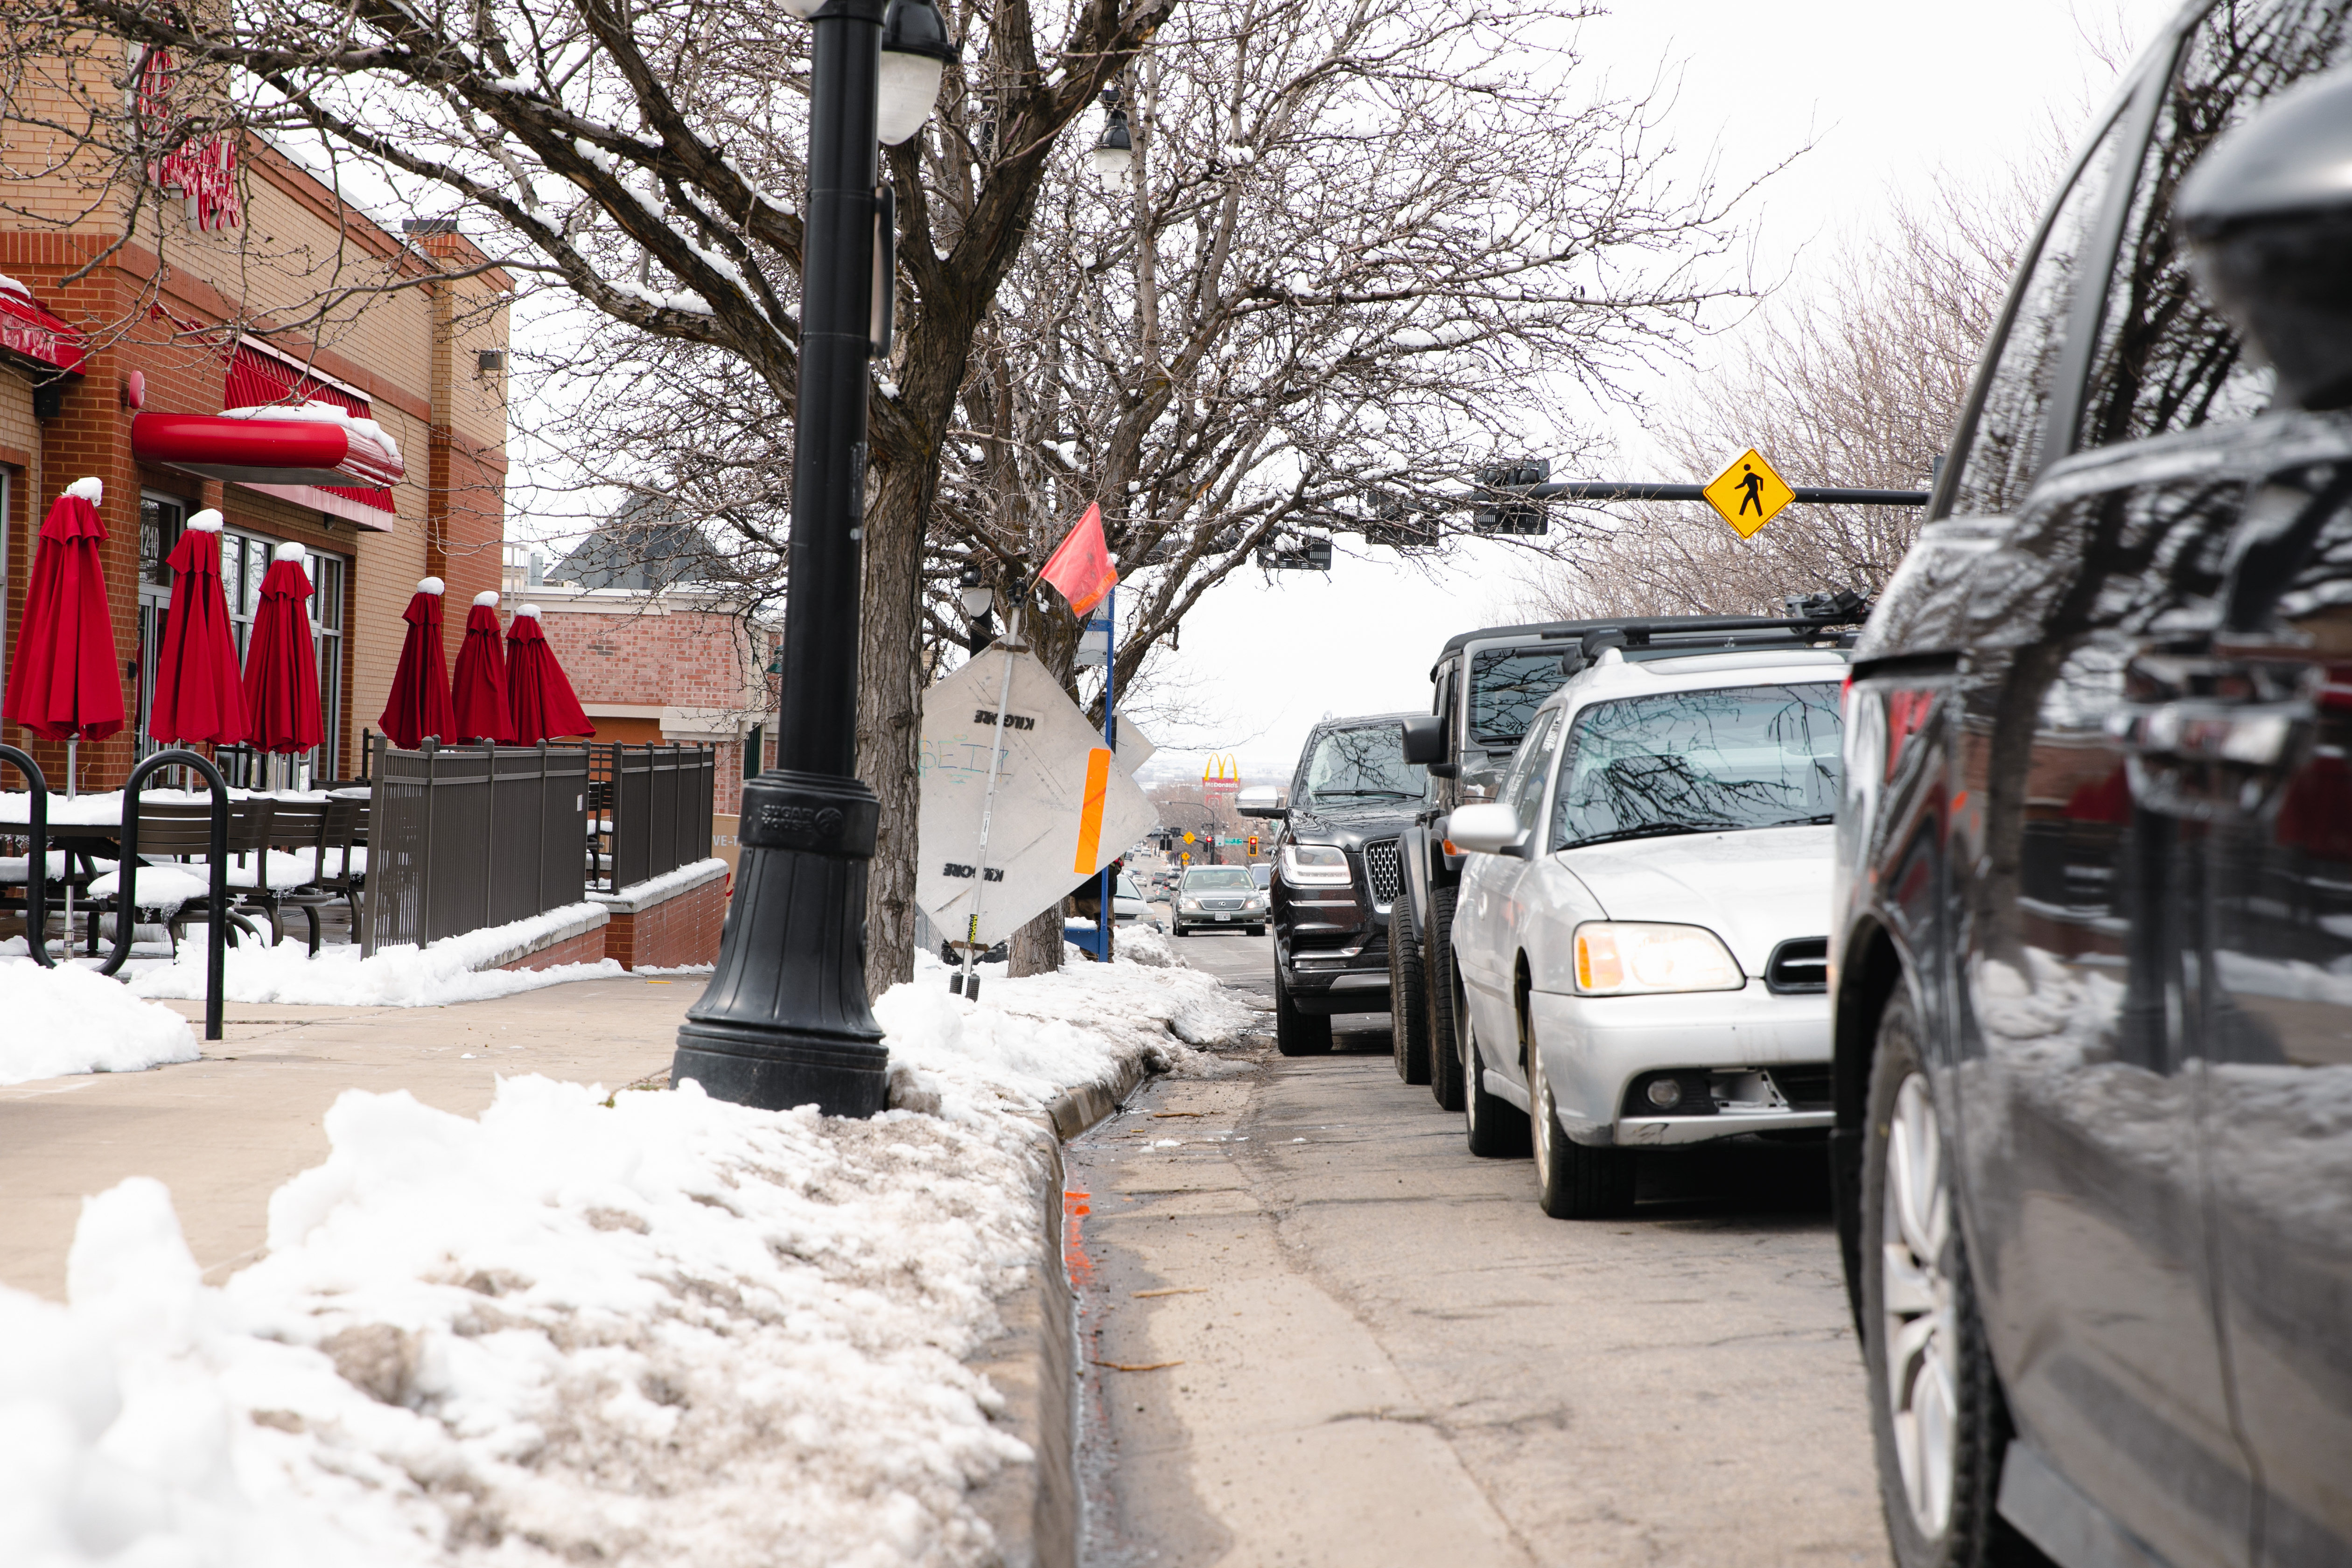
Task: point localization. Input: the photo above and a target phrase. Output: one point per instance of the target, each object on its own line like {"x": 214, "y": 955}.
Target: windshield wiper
{"x": 1654, "y": 830}
{"x": 1389, "y": 793}
{"x": 1823, "y": 820}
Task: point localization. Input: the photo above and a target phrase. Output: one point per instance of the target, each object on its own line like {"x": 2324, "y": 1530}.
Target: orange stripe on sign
{"x": 1090, "y": 813}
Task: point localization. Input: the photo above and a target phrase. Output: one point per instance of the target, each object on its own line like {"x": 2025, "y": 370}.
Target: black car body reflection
{"x": 2095, "y": 877}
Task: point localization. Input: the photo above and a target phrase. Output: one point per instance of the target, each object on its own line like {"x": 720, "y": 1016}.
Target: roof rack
{"x": 1809, "y": 617}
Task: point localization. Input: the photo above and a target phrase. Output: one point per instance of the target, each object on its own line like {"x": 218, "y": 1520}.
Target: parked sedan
{"x": 1219, "y": 898}
{"x": 1639, "y": 945}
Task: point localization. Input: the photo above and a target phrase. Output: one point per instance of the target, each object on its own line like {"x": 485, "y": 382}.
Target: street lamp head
{"x": 916, "y": 52}
{"x": 976, "y": 596}
{"x": 1114, "y": 155}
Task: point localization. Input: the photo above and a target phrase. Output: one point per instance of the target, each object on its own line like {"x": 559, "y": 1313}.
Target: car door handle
{"x": 2209, "y": 759}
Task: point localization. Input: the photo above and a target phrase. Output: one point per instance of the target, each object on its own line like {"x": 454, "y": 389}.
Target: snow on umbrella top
{"x": 419, "y": 704}
{"x": 65, "y": 682}
{"x": 539, "y": 694}
{"x": 479, "y": 690}
{"x": 281, "y": 667}
{"x": 197, "y": 694}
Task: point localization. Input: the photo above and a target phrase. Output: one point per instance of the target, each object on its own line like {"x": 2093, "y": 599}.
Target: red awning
{"x": 264, "y": 451}
{"x": 28, "y": 329}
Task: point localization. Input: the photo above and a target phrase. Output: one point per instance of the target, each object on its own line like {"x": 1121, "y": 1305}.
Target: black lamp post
{"x": 784, "y": 1020}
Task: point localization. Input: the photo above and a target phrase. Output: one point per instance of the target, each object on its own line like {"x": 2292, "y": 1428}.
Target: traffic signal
{"x": 1253, "y": 843}
{"x": 1295, "y": 553}
{"x": 1501, "y": 508}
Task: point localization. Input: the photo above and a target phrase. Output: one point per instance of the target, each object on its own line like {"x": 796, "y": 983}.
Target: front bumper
{"x": 1595, "y": 1046}
{"x": 1206, "y": 920}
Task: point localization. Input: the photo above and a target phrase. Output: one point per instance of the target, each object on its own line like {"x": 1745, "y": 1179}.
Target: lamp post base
{"x": 784, "y": 1021}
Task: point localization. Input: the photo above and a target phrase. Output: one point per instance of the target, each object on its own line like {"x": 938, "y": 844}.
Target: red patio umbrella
{"x": 540, "y": 698}
{"x": 478, "y": 690}
{"x": 420, "y": 686}
{"x": 197, "y": 695}
{"x": 65, "y": 682}
{"x": 281, "y": 666}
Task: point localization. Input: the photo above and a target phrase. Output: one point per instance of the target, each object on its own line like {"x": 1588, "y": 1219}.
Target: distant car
{"x": 1262, "y": 873}
{"x": 1640, "y": 946}
{"x": 1128, "y": 904}
{"x": 1219, "y": 898}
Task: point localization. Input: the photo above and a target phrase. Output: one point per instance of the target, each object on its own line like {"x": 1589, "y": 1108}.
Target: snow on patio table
{"x": 646, "y": 1328}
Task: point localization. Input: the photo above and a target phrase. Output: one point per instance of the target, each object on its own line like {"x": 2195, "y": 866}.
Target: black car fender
{"x": 1413, "y": 849}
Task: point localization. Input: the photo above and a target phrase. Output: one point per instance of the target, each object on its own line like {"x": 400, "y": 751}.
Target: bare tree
{"x": 1360, "y": 253}
{"x": 1856, "y": 382}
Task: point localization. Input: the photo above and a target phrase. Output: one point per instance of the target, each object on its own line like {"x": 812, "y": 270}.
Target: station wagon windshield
{"x": 1356, "y": 766}
{"x": 1506, "y": 686}
{"x": 1700, "y": 761}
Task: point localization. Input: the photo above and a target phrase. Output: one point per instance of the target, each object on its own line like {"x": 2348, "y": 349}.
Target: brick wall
{"x": 587, "y": 947}
{"x": 679, "y": 930}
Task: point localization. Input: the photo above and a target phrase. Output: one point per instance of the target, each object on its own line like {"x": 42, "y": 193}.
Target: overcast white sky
{"x": 1892, "y": 96}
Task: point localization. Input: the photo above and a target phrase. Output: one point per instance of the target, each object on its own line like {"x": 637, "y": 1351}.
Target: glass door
{"x": 160, "y": 520}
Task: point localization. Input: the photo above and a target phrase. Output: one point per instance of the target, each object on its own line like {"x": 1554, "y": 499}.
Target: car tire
{"x": 1497, "y": 1130}
{"x": 1437, "y": 1006}
{"x": 1298, "y": 1034}
{"x": 1407, "y": 1012}
{"x": 1939, "y": 1420}
{"x": 1573, "y": 1182}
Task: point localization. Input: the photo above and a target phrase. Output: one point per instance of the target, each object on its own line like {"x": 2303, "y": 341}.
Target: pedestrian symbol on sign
{"x": 1747, "y": 494}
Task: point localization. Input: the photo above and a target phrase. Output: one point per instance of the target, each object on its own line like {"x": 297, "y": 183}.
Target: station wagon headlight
{"x": 1624, "y": 958}
{"x": 1314, "y": 866}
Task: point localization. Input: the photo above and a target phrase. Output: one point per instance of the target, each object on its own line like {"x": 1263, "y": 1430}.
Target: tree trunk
{"x": 1036, "y": 948}
{"x": 890, "y": 710}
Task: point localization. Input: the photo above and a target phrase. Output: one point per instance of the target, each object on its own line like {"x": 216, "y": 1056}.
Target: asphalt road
{"x": 1335, "y": 1337}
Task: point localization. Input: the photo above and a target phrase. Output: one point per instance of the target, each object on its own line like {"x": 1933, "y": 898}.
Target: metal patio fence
{"x": 461, "y": 837}
{"x": 649, "y": 810}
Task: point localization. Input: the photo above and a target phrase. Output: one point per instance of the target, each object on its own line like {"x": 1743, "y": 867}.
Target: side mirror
{"x": 1424, "y": 738}
{"x": 2267, "y": 215}
{"x": 1490, "y": 829}
{"x": 1261, "y": 800}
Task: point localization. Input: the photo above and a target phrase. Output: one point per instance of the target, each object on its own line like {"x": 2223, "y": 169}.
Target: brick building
{"x": 261, "y": 290}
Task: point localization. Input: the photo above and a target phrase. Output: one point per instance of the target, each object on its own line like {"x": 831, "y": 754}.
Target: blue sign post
{"x": 1107, "y": 882}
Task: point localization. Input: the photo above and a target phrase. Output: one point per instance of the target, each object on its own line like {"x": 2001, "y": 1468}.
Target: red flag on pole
{"x": 1080, "y": 566}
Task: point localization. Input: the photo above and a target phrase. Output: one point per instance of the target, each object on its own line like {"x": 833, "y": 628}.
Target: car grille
{"x": 1799, "y": 966}
{"x": 1220, "y": 903}
{"x": 1381, "y": 867}
{"x": 1805, "y": 1088}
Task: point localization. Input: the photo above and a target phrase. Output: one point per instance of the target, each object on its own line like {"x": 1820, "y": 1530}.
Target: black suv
{"x": 1335, "y": 874}
{"x": 2092, "y": 936}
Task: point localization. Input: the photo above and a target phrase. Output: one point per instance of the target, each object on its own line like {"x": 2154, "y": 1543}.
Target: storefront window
{"x": 160, "y": 520}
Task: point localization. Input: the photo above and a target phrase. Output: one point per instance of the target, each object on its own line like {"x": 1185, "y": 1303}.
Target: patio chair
{"x": 289, "y": 859}
{"x": 170, "y": 837}
{"x": 340, "y": 865}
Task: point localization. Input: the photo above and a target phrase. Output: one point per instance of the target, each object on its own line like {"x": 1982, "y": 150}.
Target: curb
{"x": 1033, "y": 1509}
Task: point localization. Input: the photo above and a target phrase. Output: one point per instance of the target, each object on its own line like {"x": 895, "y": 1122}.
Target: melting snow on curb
{"x": 644, "y": 1328}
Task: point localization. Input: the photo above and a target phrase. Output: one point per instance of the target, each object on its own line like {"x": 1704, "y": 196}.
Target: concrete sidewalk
{"x": 224, "y": 1132}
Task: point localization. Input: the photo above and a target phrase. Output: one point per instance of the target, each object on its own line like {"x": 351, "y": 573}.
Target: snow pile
{"x": 660, "y": 1330}
{"x": 1146, "y": 945}
{"x": 403, "y": 975}
{"x": 67, "y": 1020}
{"x": 1029, "y": 1039}
{"x": 639, "y": 1328}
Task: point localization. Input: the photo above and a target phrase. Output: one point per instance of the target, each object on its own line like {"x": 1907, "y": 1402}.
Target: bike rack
{"x": 126, "y": 912}
{"x": 36, "y": 864}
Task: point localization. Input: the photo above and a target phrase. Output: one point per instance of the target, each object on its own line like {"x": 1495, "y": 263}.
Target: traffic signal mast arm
{"x": 1612, "y": 489}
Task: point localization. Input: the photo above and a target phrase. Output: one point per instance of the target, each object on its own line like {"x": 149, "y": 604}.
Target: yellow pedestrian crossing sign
{"x": 1747, "y": 493}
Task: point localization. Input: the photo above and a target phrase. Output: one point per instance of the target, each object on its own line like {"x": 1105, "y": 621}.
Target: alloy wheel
{"x": 1920, "y": 1328}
